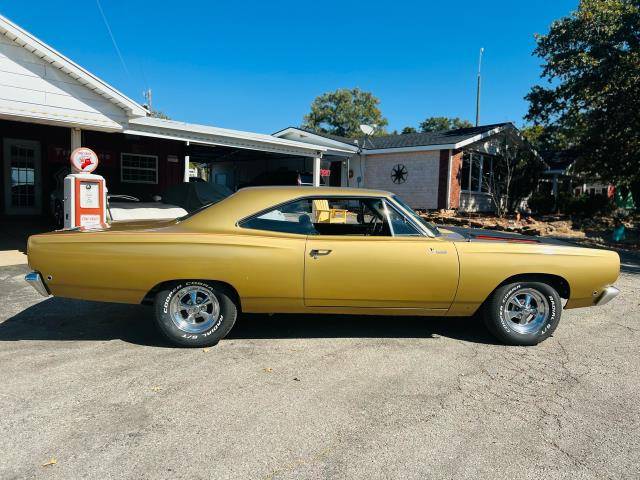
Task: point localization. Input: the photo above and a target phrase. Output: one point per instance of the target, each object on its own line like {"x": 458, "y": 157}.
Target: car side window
{"x": 293, "y": 217}
{"x": 349, "y": 216}
{"x": 367, "y": 216}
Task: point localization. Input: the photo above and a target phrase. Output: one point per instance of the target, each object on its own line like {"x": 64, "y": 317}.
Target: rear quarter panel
{"x": 124, "y": 266}
{"x": 485, "y": 265}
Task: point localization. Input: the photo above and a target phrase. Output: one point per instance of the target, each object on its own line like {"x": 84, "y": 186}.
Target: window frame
{"x": 387, "y": 206}
{"x": 483, "y": 157}
{"x": 146, "y": 182}
{"x": 422, "y": 231}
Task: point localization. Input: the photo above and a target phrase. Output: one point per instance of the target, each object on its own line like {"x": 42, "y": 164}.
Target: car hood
{"x": 455, "y": 233}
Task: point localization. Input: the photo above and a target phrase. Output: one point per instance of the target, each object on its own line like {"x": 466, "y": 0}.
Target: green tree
{"x": 545, "y": 139}
{"x": 591, "y": 102}
{"x": 407, "y": 130}
{"x": 442, "y": 124}
{"x": 343, "y": 111}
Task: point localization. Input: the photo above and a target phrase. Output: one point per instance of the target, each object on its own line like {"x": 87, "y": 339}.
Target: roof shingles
{"x": 413, "y": 139}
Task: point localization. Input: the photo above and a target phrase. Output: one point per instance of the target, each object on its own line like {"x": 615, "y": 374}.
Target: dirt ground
{"x": 595, "y": 231}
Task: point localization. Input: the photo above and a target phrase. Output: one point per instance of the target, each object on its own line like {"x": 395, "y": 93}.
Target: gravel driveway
{"x": 91, "y": 389}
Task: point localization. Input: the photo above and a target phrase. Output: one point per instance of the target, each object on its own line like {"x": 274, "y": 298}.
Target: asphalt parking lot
{"x": 90, "y": 390}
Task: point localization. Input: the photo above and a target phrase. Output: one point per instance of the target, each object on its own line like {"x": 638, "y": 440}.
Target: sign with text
{"x": 83, "y": 160}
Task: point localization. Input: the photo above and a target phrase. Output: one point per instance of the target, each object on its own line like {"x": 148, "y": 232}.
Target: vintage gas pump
{"x": 85, "y": 194}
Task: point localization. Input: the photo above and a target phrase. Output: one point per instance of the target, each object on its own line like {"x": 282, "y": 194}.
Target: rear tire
{"x": 523, "y": 313}
{"x": 195, "y": 314}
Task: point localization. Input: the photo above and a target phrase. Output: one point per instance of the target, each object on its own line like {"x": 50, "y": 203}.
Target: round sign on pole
{"x": 83, "y": 160}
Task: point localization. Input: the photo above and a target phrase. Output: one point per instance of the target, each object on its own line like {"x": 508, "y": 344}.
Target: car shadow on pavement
{"x": 59, "y": 319}
{"x": 281, "y": 326}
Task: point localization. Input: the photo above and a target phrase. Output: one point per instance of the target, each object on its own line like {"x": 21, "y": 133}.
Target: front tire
{"x": 523, "y": 313}
{"x": 195, "y": 314}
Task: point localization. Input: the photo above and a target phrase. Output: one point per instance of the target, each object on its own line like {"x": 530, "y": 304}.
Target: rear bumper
{"x": 608, "y": 294}
{"x": 35, "y": 280}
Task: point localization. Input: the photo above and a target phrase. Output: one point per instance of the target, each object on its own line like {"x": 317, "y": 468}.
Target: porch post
{"x": 316, "y": 172}
{"x": 447, "y": 204}
{"x": 185, "y": 177}
{"x": 76, "y": 138}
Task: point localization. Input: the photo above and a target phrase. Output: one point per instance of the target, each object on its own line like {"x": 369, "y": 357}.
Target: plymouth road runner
{"x": 319, "y": 250}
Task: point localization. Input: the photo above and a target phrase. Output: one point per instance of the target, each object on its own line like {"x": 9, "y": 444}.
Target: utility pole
{"x": 478, "y": 90}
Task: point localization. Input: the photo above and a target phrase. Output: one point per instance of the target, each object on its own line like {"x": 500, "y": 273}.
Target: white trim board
{"x": 334, "y": 145}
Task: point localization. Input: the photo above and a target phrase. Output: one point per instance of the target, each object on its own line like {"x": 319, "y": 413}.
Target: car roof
{"x": 297, "y": 191}
{"x": 224, "y": 215}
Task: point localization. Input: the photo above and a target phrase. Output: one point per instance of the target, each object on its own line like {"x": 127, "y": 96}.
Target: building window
{"x": 135, "y": 168}
{"x": 476, "y": 173}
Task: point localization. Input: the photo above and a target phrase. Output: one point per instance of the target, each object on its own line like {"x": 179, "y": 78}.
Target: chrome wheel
{"x": 526, "y": 310}
{"x": 194, "y": 309}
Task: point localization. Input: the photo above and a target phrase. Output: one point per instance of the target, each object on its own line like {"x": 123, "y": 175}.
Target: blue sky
{"x": 258, "y": 65}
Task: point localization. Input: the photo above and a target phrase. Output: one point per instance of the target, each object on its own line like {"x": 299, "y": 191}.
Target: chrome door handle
{"x": 319, "y": 253}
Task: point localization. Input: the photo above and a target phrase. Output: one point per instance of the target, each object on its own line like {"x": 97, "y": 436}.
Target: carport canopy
{"x": 221, "y": 137}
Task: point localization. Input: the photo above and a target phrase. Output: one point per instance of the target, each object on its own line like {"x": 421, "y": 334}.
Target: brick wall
{"x": 443, "y": 178}
{"x": 421, "y": 187}
{"x": 455, "y": 185}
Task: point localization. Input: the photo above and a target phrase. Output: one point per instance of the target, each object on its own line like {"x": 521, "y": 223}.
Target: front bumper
{"x": 608, "y": 294}
{"x": 35, "y": 280}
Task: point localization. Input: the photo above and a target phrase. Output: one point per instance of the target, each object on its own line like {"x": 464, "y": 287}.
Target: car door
{"x": 380, "y": 271}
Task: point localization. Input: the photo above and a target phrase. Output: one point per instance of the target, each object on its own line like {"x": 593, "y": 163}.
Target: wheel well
{"x": 557, "y": 282}
{"x": 150, "y": 296}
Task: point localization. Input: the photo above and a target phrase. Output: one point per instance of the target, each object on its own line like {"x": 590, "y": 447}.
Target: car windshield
{"x": 431, "y": 227}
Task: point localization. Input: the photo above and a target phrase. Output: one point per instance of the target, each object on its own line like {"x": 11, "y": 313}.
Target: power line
{"x": 113, "y": 40}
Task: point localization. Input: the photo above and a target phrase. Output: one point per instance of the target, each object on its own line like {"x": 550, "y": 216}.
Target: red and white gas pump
{"x": 85, "y": 194}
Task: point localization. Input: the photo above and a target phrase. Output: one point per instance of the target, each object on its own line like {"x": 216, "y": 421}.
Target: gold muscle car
{"x": 319, "y": 250}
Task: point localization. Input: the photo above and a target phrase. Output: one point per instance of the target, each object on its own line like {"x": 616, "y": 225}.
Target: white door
{"x": 22, "y": 177}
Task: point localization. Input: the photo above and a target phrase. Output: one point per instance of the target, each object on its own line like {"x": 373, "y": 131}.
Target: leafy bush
{"x": 581, "y": 206}
{"x": 540, "y": 203}
{"x": 586, "y": 205}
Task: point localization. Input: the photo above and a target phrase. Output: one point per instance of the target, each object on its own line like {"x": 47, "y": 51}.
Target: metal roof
{"x": 207, "y": 135}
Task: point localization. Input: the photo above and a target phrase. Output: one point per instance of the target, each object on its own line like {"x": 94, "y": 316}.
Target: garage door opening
{"x": 237, "y": 168}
